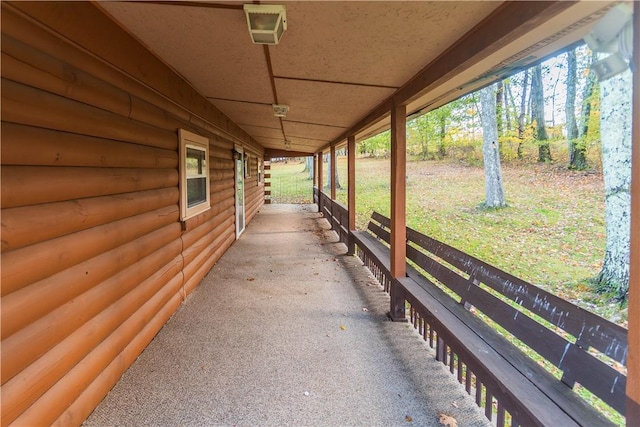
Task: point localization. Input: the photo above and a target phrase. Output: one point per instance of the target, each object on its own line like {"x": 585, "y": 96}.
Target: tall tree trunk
{"x": 499, "y": 107}
{"x": 523, "y": 112}
{"x": 615, "y": 130}
{"x": 586, "y": 99}
{"x": 577, "y": 149}
{"x": 442, "y": 122}
{"x": 537, "y": 92}
{"x": 494, "y": 188}
{"x": 510, "y": 105}
{"x": 308, "y": 166}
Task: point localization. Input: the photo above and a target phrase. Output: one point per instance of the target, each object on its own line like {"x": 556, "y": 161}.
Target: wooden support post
{"x": 332, "y": 172}
{"x": 315, "y": 171}
{"x": 398, "y": 209}
{"x": 351, "y": 188}
{"x": 633, "y": 362}
{"x": 320, "y": 181}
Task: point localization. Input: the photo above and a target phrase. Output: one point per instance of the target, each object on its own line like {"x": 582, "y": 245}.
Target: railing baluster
{"x": 478, "y": 392}
{"x": 500, "y": 418}
{"x": 488, "y": 401}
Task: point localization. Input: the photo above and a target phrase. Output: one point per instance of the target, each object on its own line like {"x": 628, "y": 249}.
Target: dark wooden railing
{"x": 456, "y": 302}
{"x": 486, "y": 324}
{"x": 335, "y": 212}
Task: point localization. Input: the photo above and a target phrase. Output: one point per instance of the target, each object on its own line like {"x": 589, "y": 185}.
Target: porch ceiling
{"x": 340, "y": 62}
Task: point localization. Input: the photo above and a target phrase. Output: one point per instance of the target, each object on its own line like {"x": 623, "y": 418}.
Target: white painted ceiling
{"x": 336, "y": 62}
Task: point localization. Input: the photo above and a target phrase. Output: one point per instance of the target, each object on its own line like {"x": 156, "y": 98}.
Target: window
{"x": 194, "y": 174}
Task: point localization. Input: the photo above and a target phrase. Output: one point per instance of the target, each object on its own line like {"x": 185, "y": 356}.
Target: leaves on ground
{"x": 447, "y": 420}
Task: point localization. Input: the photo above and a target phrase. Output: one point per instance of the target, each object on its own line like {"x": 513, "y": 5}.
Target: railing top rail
{"x": 588, "y": 328}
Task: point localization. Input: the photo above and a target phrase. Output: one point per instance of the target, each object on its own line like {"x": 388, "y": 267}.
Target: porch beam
{"x": 508, "y": 22}
{"x": 633, "y": 362}
{"x": 319, "y": 172}
{"x": 332, "y": 172}
{"x": 271, "y": 153}
{"x": 398, "y": 208}
{"x": 351, "y": 187}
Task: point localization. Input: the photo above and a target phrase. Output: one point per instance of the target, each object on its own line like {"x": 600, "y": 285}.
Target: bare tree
{"x": 523, "y": 112}
{"x": 615, "y": 131}
{"x": 494, "y": 187}
{"x": 577, "y": 149}
{"x": 537, "y": 92}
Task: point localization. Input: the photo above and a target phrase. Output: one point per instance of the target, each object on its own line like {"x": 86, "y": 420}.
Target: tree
{"x": 490, "y": 150}
{"x": 328, "y": 160}
{"x": 537, "y": 93}
{"x": 615, "y": 131}
{"x": 577, "y": 149}
{"x": 523, "y": 112}
{"x": 499, "y": 107}
{"x": 308, "y": 166}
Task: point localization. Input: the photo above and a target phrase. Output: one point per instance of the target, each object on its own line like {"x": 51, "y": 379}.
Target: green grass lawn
{"x": 289, "y": 184}
{"x": 552, "y": 233}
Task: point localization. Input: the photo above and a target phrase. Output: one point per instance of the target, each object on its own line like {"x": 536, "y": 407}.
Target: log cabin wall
{"x": 94, "y": 257}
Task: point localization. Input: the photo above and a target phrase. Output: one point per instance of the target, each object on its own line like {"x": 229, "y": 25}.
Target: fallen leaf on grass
{"x": 447, "y": 420}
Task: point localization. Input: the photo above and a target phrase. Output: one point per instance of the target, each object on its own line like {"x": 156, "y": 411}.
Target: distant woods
{"x": 549, "y": 112}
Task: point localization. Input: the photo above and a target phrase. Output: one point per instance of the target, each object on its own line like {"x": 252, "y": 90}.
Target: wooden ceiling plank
{"x": 511, "y": 20}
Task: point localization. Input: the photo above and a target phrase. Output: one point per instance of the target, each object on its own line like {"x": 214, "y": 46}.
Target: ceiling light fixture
{"x": 613, "y": 34}
{"x": 280, "y": 110}
{"x": 267, "y": 22}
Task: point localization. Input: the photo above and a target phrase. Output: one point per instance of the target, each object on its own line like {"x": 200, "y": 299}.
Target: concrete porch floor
{"x": 285, "y": 331}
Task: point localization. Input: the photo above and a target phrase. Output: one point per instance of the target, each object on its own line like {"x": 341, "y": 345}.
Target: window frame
{"x": 190, "y": 140}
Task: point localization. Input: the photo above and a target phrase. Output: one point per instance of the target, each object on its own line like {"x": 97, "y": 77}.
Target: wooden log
{"x": 216, "y": 208}
{"x": 31, "y": 106}
{"x": 93, "y": 394}
{"x": 23, "y": 348}
{"x": 24, "y": 64}
{"x": 208, "y": 229}
{"x": 253, "y": 211}
{"x": 42, "y": 391}
{"x": 208, "y": 261}
{"x": 219, "y": 152}
{"x": 216, "y": 163}
{"x": 197, "y": 247}
{"x": 26, "y": 306}
{"x": 36, "y": 262}
{"x": 221, "y": 196}
{"x": 32, "y": 185}
{"x": 220, "y": 185}
{"x": 218, "y": 174}
{"x": 27, "y": 225}
{"x": 20, "y": 28}
{"x": 31, "y": 146}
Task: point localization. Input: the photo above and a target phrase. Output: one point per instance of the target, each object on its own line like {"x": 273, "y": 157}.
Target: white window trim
{"x": 194, "y": 141}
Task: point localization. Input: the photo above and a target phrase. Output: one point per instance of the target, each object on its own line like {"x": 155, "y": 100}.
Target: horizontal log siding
{"x": 94, "y": 257}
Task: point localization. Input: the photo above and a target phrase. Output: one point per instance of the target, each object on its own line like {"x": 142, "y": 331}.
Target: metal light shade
{"x": 267, "y": 23}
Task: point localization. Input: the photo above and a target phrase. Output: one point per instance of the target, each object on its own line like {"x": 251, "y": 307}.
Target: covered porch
{"x": 107, "y": 107}
{"x": 286, "y": 330}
